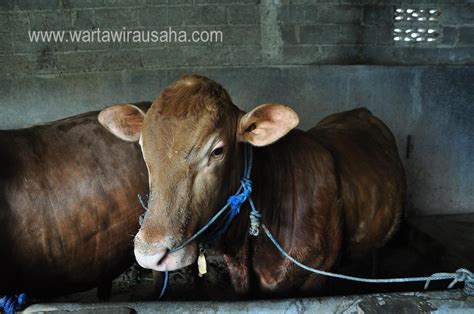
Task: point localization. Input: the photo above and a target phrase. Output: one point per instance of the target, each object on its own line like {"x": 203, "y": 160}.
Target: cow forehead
{"x": 172, "y": 148}
{"x": 179, "y": 133}
{"x": 187, "y": 114}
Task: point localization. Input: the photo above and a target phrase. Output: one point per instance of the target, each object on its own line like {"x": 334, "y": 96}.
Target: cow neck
{"x": 273, "y": 183}
{"x": 270, "y": 173}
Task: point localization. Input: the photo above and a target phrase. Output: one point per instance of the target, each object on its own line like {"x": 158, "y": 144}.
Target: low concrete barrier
{"x": 414, "y": 302}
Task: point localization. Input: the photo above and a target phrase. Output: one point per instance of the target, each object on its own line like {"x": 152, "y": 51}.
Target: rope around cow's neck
{"x": 231, "y": 209}
{"x": 234, "y": 202}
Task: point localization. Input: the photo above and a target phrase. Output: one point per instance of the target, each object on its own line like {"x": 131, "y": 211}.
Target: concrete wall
{"x": 319, "y": 56}
{"x": 255, "y": 32}
{"x": 361, "y": 32}
{"x": 412, "y": 302}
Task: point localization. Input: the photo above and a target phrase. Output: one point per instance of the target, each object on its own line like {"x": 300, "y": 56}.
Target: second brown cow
{"x": 68, "y": 206}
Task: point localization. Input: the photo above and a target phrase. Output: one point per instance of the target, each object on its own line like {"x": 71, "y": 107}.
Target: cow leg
{"x": 104, "y": 290}
{"x": 286, "y": 279}
{"x": 239, "y": 274}
{"x": 314, "y": 285}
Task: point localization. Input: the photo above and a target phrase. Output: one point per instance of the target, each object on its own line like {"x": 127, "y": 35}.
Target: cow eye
{"x": 217, "y": 152}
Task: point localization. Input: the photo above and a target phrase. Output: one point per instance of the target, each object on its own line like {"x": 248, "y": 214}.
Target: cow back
{"x": 371, "y": 176}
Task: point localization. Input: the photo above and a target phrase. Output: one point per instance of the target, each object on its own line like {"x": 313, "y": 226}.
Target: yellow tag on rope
{"x": 202, "y": 267}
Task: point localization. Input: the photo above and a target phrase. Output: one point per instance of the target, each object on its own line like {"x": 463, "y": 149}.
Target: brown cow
{"x": 371, "y": 176}
{"x": 68, "y": 205}
{"x": 307, "y": 185}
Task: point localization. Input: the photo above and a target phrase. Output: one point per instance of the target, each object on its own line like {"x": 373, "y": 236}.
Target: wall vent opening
{"x": 416, "y": 25}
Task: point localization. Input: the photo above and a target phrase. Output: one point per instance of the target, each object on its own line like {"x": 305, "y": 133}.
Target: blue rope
{"x": 165, "y": 284}
{"x": 234, "y": 202}
{"x": 13, "y": 304}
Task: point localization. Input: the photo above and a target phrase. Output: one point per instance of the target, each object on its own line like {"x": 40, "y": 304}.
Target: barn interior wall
{"x": 318, "y": 56}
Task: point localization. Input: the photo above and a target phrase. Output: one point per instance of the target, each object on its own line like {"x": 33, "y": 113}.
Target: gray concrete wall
{"x": 453, "y": 301}
{"x": 304, "y": 53}
{"x": 255, "y": 32}
{"x": 434, "y": 105}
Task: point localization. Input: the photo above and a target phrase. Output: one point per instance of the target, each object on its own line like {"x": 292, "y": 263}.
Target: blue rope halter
{"x": 230, "y": 210}
{"x": 232, "y": 207}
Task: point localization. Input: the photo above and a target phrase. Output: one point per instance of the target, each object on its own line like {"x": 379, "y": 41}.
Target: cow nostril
{"x": 164, "y": 256}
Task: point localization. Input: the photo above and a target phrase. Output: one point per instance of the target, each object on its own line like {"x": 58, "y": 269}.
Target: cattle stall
{"x": 75, "y": 188}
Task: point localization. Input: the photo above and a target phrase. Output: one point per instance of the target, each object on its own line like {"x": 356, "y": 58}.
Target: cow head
{"x": 190, "y": 141}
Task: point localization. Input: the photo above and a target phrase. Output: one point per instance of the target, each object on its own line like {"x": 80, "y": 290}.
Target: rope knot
{"x": 461, "y": 275}
{"x": 236, "y": 201}
{"x": 255, "y": 218}
{"x": 465, "y": 275}
{"x": 12, "y": 304}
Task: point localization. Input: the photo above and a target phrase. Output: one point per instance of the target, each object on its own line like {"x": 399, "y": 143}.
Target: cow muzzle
{"x": 157, "y": 256}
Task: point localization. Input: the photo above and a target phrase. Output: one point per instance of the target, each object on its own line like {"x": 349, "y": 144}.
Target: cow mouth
{"x": 166, "y": 260}
{"x": 176, "y": 260}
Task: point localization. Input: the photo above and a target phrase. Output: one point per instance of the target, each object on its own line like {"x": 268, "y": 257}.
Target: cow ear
{"x": 266, "y": 124}
{"x": 124, "y": 121}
